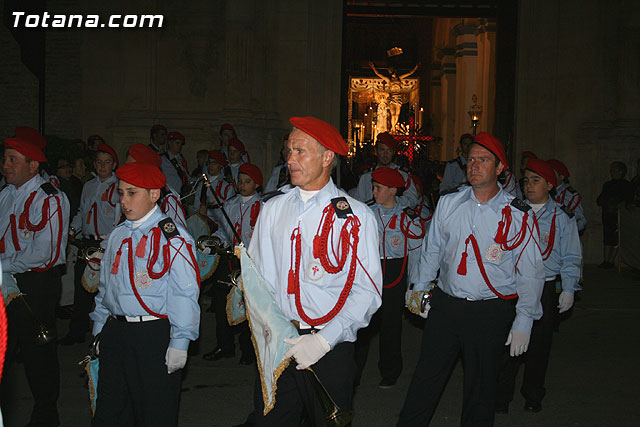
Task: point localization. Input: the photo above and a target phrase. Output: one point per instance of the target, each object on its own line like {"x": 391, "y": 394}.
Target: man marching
{"x": 555, "y": 231}
{"x": 146, "y": 308}
{"x": 479, "y": 238}
{"x": 318, "y": 251}
{"x": 34, "y": 219}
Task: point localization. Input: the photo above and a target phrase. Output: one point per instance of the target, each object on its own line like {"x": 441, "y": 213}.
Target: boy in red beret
{"x": 401, "y": 233}
{"x": 555, "y": 232}
{"x": 146, "y": 308}
{"x": 98, "y": 214}
{"x": 243, "y": 210}
{"x": 174, "y": 165}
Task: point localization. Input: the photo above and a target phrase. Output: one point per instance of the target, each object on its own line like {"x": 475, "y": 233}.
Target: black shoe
{"x": 532, "y": 407}
{"x": 217, "y": 354}
{"x": 502, "y": 408}
{"x": 247, "y": 358}
{"x": 387, "y": 383}
{"x": 71, "y": 340}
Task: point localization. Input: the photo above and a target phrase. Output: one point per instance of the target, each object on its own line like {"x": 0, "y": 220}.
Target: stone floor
{"x": 593, "y": 378}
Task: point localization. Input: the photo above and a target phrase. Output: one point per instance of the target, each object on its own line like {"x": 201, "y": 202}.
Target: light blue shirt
{"x": 566, "y": 256}
{"x": 456, "y": 217}
{"x": 175, "y": 294}
{"x": 272, "y": 184}
{"x": 270, "y": 249}
{"x": 454, "y": 175}
{"x": 239, "y": 213}
{"x": 392, "y": 238}
{"x": 570, "y": 198}
{"x": 223, "y": 189}
{"x": 174, "y": 180}
{"x": 364, "y": 190}
{"x": 99, "y": 210}
{"x": 37, "y": 249}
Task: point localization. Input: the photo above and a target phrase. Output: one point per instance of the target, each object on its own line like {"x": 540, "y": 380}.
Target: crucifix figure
{"x": 397, "y": 96}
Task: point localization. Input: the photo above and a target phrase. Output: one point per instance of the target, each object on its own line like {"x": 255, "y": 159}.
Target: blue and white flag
{"x": 269, "y": 328}
{"x": 207, "y": 264}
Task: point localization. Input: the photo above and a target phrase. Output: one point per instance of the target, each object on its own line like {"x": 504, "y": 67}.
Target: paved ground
{"x": 593, "y": 377}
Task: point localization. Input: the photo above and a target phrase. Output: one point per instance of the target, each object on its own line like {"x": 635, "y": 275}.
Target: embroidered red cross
{"x": 315, "y": 269}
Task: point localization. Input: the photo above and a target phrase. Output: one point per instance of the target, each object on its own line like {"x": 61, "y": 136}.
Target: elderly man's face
{"x": 309, "y": 168}
{"x": 481, "y": 167}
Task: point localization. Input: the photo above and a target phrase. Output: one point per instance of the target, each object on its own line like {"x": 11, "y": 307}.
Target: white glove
{"x": 413, "y": 301}
{"x": 519, "y": 342}
{"x": 307, "y": 349}
{"x": 175, "y": 359}
{"x": 565, "y": 302}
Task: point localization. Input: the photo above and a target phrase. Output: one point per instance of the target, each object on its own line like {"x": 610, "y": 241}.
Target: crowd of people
{"x": 490, "y": 261}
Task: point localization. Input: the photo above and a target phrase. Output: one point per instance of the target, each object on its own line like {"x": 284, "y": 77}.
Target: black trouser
{"x": 42, "y": 291}
{"x": 134, "y": 387}
{"x": 296, "y": 394}
{"x": 536, "y": 359}
{"x": 479, "y": 330}
{"x": 225, "y": 332}
{"x": 388, "y": 321}
{"x": 82, "y": 303}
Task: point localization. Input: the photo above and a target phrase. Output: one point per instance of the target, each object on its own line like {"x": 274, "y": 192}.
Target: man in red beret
{"x": 174, "y": 165}
{"x": 146, "y": 309}
{"x": 386, "y": 148}
{"x": 169, "y": 201}
{"x": 480, "y": 242}
{"x": 236, "y": 154}
{"x": 567, "y": 195}
{"x": 243, "y": 210}
{"x": 401, "y": 233}
{"x": 556, "y": 234}
{"x": 455, "y": 172}
{"x": 158, "y": 135}
{"x": 34, "y": 218}
{"x": 307, "y": 280}
{"x": 98, "y": 214}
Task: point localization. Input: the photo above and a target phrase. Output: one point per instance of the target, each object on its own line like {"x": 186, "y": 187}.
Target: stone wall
{"x": 578, "y": 91}
{"x": 251, "y": 63}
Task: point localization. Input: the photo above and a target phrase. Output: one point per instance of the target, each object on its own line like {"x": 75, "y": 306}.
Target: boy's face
{"x": 235, "y": 155}
{"x": 536, "y": 188}
{"x": 213, "y": 167}
{"x": 136, "y": 202}
{"x": 384, "y": 195}
{"x": 104, "y": 165}
{"x": 246, "y": 185}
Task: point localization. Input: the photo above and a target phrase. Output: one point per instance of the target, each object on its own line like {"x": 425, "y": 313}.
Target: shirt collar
{"x": 150, "y": 222}
{"x": 496, "y": 203}
{"x": 326, "y": 193}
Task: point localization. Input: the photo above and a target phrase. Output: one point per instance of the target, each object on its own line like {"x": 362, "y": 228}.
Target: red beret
{"x": 218, "y": 157}
{"x": 93, "y": 138}
{"x": 492, "y": 144}
{"x": 389, "y": 177}
{"x": 31, "y": 135}
{"x": 227, "y": 126}
{"x": 467, "y": 136}
{"x": 237, "y": 144}
{"x": 144, "y": 154}
{"x": 559, "y": 167}
{"x": 388, "y": 140}
{"x": 26, "y": 148}
{"x": 175, "y": 135}
{"x": 253, "y": 171}
{"x": 321, "y": 131}
{"x": 529, "y": 154}
{"x": 156, "y": 128}
{"x": 142, "y": 175}
{"x": 107, "y": 149}
{"x": 543, "y": 169}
